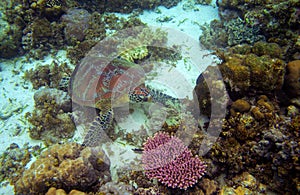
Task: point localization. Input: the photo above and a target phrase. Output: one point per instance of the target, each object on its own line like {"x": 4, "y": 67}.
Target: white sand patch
{"x": 187, "y": 20}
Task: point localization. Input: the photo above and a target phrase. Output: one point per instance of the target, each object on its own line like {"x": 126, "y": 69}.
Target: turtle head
{"x": 139, "y": 94}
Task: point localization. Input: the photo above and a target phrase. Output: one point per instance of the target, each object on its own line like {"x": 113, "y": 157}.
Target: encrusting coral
{"x": 65, "y": 166}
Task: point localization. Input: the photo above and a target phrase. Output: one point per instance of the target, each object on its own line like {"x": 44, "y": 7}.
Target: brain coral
{"x": 168, "y": 160}
{"x": 66, "y": 166}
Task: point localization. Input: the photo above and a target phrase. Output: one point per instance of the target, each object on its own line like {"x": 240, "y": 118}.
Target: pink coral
{"x": 168, "y": 160}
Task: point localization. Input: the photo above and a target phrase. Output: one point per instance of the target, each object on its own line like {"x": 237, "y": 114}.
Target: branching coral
{"x": 168, "y": 160}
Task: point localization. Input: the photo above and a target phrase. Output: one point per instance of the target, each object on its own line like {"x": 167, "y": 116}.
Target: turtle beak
{"x": 148, "y": 98}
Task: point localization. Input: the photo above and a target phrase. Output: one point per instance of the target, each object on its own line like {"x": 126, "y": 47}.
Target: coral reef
{"x": 147, "y": 191}
{"x": 125, "y": 6}
{"x": 65, "y": 166}
{"x": 166, "y": 157}
{"x": 255, "y": 20}
{"x": 135, "y": 46}
{"x": 209, "y": 186}
{"x": 36, "y": 24}
{"x": 50, "y": 119}
{"x": 40, "y": 36}
{"x": 229, "y": 33}
{"x": 99, "y": 26}
{"x": 260, "y": 141}
{"x": 258, "y": 136}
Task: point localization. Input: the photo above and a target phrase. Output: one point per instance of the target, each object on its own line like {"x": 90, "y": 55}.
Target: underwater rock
{"x": 77, "y": 22}
{"x": 210, "y": 91}
{"x": 65, "y": 166}
{"x": 292, "y": 79}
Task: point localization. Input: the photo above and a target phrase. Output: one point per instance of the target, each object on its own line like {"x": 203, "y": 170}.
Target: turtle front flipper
{"x": 96, "y": 134}
{"x": 160, "y": 97}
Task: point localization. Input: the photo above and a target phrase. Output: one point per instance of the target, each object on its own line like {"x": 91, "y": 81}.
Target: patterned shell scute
{"x": 98, "y": 78}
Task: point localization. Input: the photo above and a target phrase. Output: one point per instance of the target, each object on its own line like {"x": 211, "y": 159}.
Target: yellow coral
{"x": 135, "y": 54}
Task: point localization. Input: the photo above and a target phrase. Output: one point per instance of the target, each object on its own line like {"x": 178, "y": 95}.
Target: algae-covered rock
{"x": 292, "y": 79}
{"x": 51, "y": 121}
{"x": 252, "y": 73}
{"x": 261, "y": 48}
{"x": 240, "y": 105}
{"x": 66, "y": 166}
{"x": 10, "y": 39}
{"x": 243, "y": 74}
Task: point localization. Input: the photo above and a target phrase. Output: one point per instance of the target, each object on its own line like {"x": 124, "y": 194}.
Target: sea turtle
{"x": 104, "y": 84}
